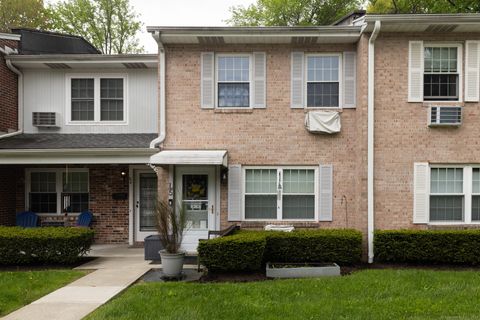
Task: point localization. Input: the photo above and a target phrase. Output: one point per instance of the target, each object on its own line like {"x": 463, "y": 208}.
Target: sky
{"x": 179, "y": 13}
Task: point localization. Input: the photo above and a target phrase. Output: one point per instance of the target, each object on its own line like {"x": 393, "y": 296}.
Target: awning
{"x": 186, "y": 157}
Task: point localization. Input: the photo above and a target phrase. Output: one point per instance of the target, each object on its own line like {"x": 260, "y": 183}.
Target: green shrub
{"x": 248, "y": 250}
{"x": 43, "y": 245}
{"x": 238, "y": 252}
{"x": 428, "y": 246}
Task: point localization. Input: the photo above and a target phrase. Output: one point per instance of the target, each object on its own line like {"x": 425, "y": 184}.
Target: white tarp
{"x": 200, "y": 157}
{"x": 325, "y": 121}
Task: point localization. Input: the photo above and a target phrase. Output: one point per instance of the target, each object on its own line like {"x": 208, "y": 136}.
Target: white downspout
{"x": 163, "y": 123}
{"x": 20, "y": 98}
{"x": 371, "y": 144}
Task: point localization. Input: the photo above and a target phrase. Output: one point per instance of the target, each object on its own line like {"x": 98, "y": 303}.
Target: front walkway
{"x": 116, "y": 268}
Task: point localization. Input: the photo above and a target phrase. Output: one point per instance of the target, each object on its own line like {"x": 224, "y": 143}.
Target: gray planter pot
{"x": 172, "y": 263}
{"x": 292, "y": 270}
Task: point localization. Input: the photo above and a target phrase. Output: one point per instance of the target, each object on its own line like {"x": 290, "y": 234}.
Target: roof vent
{"x": 304, "y": 40}
{"x": 441, "y": 28}
{"x": 58, "y": 65}
{"x": 445, "y": 116}
{"x": 135, "y": 65}
{"x": 44, "y": 119}
{"x": 211, "y": 40}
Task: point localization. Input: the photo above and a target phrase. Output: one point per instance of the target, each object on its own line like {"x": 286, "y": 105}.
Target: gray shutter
{"x": 208, "y": 80}
{"x": 349, "y": 79}
{"x": 325, "y": 188}
{"x": 421, "y": 190}
{"x": 297, "y": 79}
{"x": 415, "y": 71}
{"x": 472, "y": 71}
{"x": 234, "y": 192}
{"x": 259, "y": 77}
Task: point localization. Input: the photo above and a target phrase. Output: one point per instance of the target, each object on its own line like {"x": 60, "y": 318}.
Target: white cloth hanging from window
{"x": 324, "y": 121}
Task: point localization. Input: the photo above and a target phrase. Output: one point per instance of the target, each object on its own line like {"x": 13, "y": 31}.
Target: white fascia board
{"x": 10, "y": 36}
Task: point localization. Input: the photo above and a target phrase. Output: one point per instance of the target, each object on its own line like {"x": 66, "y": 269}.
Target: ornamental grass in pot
{"x": 170, "y": 224}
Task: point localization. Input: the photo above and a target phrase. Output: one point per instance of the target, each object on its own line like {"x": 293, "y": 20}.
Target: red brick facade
{"x": 8, "y": 92}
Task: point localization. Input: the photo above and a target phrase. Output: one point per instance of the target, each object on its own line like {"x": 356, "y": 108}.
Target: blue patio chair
{"x": 27, "y": 219}
{"x": 84, "y": 219}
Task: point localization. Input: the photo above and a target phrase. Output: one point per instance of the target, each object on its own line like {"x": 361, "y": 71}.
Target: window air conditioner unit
{"x": 445, "y": 116}
{"x": 45, "y": 119}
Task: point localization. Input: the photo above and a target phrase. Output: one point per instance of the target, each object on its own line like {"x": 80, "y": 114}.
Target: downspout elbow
{"x": 162, "y": 100}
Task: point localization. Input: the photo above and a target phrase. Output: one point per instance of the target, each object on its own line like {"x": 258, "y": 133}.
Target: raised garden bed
{"x": 302, "y": 270}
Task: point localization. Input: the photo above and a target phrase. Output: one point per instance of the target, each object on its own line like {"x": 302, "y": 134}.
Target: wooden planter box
{"x": 302, "y": 270}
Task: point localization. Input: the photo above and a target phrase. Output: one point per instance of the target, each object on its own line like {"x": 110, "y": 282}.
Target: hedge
{"x": 249, "y": 250}
{"x": 428, "y": 246}
{"x": 19, "y": 246}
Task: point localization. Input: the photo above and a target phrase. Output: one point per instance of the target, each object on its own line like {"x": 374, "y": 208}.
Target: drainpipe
{"x": 371, "y": 145}
{"x": 20, "y": 97}
{"x": 163, "y": 124}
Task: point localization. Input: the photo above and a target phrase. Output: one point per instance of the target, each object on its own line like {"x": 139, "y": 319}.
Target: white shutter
{"x": 297, "y": 79}
{"x": 234, "y": 192}
{"x": 349, "y": 79}
{"x": 207, "y": 80}
{"x": 415, "y": 71}
{"x": 259, "y": 77}
{"x": 472, "y": 71}
{"x": 325, "y": 188}
{"x": 421, "y": 189}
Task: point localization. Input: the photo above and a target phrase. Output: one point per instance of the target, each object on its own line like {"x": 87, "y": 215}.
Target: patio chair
{"x": 84, "y": 219}
{"x": 27, "y": 219}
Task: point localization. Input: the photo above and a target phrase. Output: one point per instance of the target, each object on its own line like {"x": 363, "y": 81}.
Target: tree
{"x": 110, "y": 25}
{"x": 22, "y": 13}
{"x": 423, "y": 6}
{"x": 291, "y": 12}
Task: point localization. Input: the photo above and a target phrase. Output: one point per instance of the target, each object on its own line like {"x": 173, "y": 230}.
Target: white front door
{"x": 145, "y": 184}
{"x": 195, "y": 192}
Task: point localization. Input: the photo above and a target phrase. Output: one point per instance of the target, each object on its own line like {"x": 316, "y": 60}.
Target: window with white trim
{"x": 280, "y": 194}
{"x": 323, "y": 80}
{"x": 447, "y": 199}
{"x": 441, "y": 76}
{"x": 233, "y": 81}
{"x": 96, "y": 99}
{"x": 55, "y": 191}
{"x": 476, "y": 194}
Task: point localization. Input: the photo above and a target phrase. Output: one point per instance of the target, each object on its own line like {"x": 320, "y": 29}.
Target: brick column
{"x": 162, "y": 178}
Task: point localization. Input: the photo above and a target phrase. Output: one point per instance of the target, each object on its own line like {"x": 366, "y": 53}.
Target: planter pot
{"x": 172, "y": 263}
{"x": 295, "y": 270}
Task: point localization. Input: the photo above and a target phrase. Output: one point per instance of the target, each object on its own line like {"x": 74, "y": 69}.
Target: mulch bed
{"x": 36, "y": 267}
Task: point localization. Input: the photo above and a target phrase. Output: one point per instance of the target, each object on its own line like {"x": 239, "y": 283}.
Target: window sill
{"x": 246, "y": 110}
{"x": 308, "y": 109}
{"x": 429, "y": 104}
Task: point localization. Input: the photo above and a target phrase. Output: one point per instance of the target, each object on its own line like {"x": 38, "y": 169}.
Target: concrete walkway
{"x": 116, "y": 268}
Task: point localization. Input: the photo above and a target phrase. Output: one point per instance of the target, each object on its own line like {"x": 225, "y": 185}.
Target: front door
{"x": 145, "y": 200}
{"x": 195, "y": 193}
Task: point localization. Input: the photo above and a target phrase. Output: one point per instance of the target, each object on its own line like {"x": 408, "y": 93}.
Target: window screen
{"x": 111, "y": 100}
{"x": 233, "y": 82}
{"x": 298, "y": 194}
{"x": 43, "y": 196}
{"x": 82, "y": 95}
{"x": 75, "y": 196}
{"x": 446, "y": 194}
{"x": 261, "y": 194}
{"x": 323, "y": 81}
{"x": 441, "y": 77}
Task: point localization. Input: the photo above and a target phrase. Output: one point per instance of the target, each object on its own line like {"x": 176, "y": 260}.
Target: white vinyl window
{"x": 447, "y": 199}
{"x": 476, "y": 194}
{"x": 323, "y": 85}
{"x": 280, "y": 194}
{"x": 96, "y": 99}
{"x": 54, "y": 191}
{"x": 233, "y": 81}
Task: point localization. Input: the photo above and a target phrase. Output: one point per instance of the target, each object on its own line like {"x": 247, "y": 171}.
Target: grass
{"x": 368, "y": 294}
{"x": 19, "y": 288}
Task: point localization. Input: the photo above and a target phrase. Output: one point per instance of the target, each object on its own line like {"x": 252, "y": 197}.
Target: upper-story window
{"x": 233, "y": 81}
{"x": 323, "y": 80}
{"x": 441, "y": 73}
{"x": 96, "y": 99}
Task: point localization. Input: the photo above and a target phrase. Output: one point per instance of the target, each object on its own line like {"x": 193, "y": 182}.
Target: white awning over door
{"x": 189, "y": 157}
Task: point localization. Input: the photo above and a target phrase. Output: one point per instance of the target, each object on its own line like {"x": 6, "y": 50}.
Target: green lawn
{"x": 369, "y": 294}
{"x": 18, "y": 288}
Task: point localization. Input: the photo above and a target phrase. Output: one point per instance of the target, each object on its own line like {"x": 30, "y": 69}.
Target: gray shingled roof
{"x": 77, "y": 141}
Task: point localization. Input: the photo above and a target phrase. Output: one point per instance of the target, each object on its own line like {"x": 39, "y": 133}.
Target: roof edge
{"x": 10, "y": 36}
{"x": 85, "y": 57}
{"x": 427, "y": 18}
{"x": 185, "y": 30}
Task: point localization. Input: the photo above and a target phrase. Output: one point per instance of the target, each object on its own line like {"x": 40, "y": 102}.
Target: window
{"x": 476, "y": 194}
{"x": 55, "y": 190}
{"x": 280, "y": 194}
{"x": 446, "y": 194}
{"x": 233, "y": 81}
{"x": 441, "y": 73}
{"x": 96, "y": 99}
{"x": 323, "y": 80}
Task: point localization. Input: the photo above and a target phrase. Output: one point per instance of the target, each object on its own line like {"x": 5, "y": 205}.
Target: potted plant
{"x": 170, "y": 226}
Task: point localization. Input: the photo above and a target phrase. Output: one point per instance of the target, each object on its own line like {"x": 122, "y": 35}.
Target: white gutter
{"x": 163, "y": 124}
{"x": 20, "y": 97}
{"x": 371, "y": 145}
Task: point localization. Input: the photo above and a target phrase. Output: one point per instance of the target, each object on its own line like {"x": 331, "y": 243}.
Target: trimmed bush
{"x": 238, "y": 252}
{"x": 428, "y": 246}
{"x": 19, "y": 246}
{"x": 248, "y": 250}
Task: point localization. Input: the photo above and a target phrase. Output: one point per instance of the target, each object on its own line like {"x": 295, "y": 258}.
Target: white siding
{"x": 44, "y": 91}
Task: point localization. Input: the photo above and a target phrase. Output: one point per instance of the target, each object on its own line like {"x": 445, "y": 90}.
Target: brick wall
{"x": 10, "y": 178}
{"x": 271, "y": 136}
{"x": 8, "y": 92}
